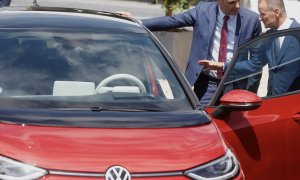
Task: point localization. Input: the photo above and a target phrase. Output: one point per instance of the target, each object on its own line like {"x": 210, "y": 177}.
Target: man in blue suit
{"x": 207, "y": 21}
{"x": 4, "y": 3}
{"x": 284, "y": 68}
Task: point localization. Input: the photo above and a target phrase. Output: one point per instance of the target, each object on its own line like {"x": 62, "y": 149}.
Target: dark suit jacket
{"x": 4, "y": 3}
{"x": 203, "y": 19}
{"x": 283, "y": 72}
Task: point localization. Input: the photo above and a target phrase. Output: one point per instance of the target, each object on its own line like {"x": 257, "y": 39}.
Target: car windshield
{"x": 55, "y": 68}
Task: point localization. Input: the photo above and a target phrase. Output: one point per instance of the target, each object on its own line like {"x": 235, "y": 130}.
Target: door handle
{"x": 296, "y": 118}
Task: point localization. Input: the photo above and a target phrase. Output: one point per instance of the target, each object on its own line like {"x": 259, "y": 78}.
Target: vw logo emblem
{"x": 117, "y": 173}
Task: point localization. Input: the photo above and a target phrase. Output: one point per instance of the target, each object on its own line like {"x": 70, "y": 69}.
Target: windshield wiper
{"x": 99, "y": 109}
{"x": 96, "y": 108}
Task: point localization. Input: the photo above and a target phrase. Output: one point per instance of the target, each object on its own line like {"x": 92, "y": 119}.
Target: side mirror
{"x": 237, "y": 100}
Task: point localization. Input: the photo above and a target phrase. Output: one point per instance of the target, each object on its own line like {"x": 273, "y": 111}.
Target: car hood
{"x": 96, "y": 149}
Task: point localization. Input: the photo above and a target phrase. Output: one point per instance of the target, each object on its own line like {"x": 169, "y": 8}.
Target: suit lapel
{"x": 271, "y": 55}
{"x": 238, "y": 30}
{"x": 283, "y": 48}
{"x": 212, "y": 16}
{"x": 286, "y": 43}
{"x": 271, "y": 50}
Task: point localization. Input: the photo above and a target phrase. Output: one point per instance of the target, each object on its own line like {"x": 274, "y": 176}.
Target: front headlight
{"x": 223, "y": 168}
{"x": 14, "y": 170}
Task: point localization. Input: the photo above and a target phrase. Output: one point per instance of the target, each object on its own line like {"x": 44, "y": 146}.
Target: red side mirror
{"x": 240, "y": 97}
{"x": 237, "y": 100}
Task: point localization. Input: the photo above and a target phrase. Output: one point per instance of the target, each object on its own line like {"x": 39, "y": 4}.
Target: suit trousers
{"x": 205, "y": 87}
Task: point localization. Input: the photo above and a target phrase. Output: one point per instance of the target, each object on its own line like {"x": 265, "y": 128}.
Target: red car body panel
{"x": 95, "y": 150}
{"x": 265, "y": 140}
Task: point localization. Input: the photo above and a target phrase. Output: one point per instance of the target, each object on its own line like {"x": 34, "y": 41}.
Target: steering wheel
{"x": 114, "y": 77}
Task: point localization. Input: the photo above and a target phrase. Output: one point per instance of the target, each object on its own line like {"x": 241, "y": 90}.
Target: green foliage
{"x": 178, "y": 4}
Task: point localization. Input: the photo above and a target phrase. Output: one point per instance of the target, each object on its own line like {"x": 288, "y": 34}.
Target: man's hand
{"x": 124, "y": 13}
{"x": 211, "y": 65}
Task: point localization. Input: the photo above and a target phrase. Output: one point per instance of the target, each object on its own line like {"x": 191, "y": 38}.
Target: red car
{"x": 93, "y": 95}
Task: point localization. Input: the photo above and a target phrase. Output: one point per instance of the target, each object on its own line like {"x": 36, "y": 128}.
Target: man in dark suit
{"x": 207, "y": 22}
{"x": 4, "y": 3}
{"x": 280, "y": 53}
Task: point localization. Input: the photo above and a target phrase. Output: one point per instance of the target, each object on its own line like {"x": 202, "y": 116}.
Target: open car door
{"x": 257, "y": 106}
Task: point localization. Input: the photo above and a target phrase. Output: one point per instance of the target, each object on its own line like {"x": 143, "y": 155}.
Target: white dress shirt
{"x": 285, "y": 25}
{"x": 231, "y": 24}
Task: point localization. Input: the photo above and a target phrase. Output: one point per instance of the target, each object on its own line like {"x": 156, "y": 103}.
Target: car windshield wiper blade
{"x": 130, "y": 97}
{"x": 97, "y": 108}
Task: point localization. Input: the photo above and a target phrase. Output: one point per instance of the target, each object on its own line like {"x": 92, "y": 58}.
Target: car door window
{"x": 268, "y": 67}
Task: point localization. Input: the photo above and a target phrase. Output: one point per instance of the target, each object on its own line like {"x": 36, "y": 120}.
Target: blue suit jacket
{"x": 283, "y": 73}
{"x": 4, "y": 3}
{"x": 203, "y": 19}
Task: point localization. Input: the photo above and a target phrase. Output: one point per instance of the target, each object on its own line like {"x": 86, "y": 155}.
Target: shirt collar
{"x": 286, "y": 24}
{"x": 221, "y": 15}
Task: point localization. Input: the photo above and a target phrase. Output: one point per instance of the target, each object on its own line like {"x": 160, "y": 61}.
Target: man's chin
{"x": 266, "y": 26}
{"x": 235, "y": 12}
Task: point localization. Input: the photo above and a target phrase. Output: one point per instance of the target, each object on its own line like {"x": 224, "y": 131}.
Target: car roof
{"x": 67, "y": 18}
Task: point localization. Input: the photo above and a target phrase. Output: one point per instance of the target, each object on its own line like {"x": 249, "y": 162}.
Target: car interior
{"x": 50, "y": 64}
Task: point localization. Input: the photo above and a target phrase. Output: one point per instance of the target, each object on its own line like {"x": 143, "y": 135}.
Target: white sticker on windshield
{"x": 165, "y": 86}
